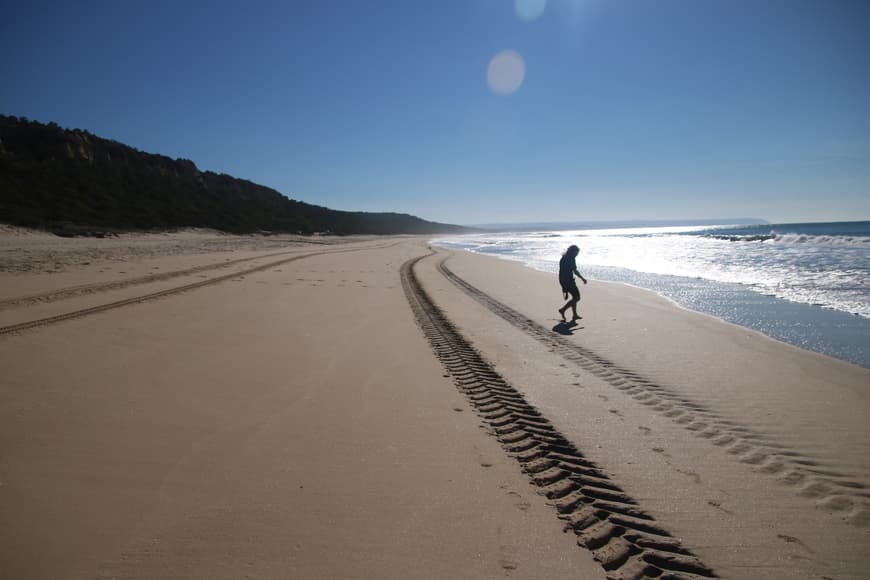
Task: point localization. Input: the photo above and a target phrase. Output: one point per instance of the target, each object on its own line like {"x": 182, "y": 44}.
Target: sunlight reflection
{"x": 529, "y": 10}
{"x": 506, "y": 72}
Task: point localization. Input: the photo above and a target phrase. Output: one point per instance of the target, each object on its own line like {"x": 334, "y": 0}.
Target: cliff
{"x": 72, "y": 180}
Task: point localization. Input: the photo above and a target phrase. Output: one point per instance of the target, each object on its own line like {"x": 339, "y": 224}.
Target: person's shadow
{"x": 566, "y": 327}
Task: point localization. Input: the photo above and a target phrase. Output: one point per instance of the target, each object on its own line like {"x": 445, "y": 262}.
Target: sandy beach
{"x": 197, "y": 405}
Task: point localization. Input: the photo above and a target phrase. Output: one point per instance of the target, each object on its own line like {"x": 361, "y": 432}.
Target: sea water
{"x": 805, "y": 284}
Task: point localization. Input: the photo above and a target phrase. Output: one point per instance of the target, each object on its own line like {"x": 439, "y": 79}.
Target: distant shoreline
{"x": 608, "y": 224}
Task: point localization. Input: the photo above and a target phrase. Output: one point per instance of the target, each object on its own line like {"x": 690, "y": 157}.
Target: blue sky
{"x": 627, "y": 109}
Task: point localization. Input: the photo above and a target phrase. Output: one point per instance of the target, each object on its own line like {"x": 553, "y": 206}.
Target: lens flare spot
{"x": 506, "y": 72}
{"x": 529, "y": 10}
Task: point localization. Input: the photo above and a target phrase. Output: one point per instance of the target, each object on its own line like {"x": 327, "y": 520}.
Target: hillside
{"x": 73, "y": 181}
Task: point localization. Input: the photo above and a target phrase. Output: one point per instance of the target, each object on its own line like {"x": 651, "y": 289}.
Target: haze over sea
{"x": 805, "y": 284}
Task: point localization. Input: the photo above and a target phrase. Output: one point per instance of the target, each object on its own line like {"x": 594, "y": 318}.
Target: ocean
{"x": 805, "y": 284}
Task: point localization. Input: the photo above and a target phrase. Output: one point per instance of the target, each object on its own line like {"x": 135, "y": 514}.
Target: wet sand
{"x": 215, "y": 406}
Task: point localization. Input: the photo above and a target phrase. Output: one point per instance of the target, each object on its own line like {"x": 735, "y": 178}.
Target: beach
{"x": 803, "y": 284}
{"x": 197, "y": 405}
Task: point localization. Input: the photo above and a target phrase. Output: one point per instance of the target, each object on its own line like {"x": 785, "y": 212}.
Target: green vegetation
{"x": 73, "y": 182}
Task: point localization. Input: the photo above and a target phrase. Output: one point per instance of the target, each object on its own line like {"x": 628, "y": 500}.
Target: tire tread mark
{"x": 624, "y": 540}
{"x": 13, "y": 328}
{"x": 73, "y": 291}
{"x": 840, "y": 491}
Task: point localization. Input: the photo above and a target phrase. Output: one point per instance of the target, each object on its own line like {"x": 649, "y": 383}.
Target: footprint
{"x": 695, "y": 477}
{"x": 792, "y": 540}
{"x": 718, "y": 506}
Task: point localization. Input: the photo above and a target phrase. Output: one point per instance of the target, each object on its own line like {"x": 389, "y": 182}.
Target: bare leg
{"x": 574, "y": 309}
{"x": 572, "y": 304}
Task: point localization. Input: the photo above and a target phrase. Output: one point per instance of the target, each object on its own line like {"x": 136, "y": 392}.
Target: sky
{"x": 474, "y": 111}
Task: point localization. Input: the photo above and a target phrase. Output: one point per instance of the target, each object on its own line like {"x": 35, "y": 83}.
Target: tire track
{"x": 828, "y": 487}
{"x": 169, "y": 291}
{"x": 625, "y": 540}
{"x": 73, "y": 291}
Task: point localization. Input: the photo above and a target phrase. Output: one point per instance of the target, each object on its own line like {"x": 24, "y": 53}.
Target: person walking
{"x": 567, "y": 270}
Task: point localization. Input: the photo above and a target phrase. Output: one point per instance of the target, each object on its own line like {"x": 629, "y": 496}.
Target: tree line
{"x": 71, "y": 181}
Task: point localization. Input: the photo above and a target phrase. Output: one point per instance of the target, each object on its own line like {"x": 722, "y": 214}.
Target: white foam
{"x": 831, "y": 271}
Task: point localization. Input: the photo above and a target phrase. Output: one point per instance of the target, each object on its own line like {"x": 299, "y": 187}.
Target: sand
{"x": 196, "y": 405}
